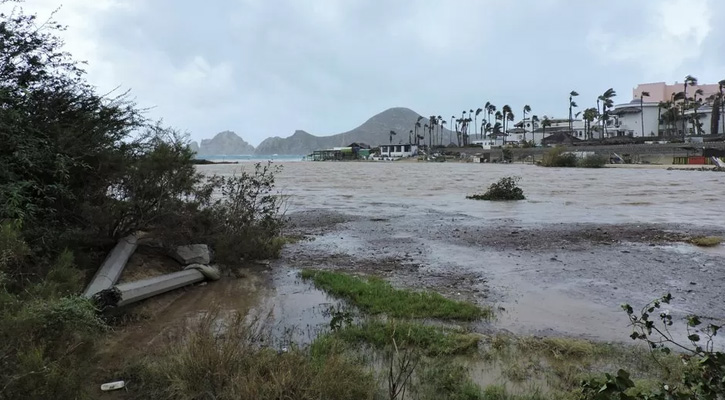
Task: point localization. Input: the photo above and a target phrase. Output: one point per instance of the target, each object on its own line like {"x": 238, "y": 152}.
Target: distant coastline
{"x": 234, "y": 159}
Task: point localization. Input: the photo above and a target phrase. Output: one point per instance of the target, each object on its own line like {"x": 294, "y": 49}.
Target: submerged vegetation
{"x": 505, "y": 189}
{"x": 706, "y": 241}
{"x": 375, "y": 296}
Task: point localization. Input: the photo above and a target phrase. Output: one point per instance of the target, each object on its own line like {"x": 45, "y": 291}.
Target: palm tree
{"x": 475, "y": 119}
{"x": 721, "y": 86}
{"x": 410, "y": 137}
{"x": 432, "y": 122}
{"x": 660, "y": 106}
{"x": 425, "y": 127}
{"x": 691, "y": 81}
{"x": 534, "y": 120}
{"x": 486, "y": 110}
{"x": 607, "y": 102}
{"x": 491, "y": 110}
{"x": 440, "y": 137}
{"x": 590, "y": 114}
{"x": 572, "y": 105}
{"x": 392, "y": 133}
{"x": 696, "y": 124}
{"x": 450, "y": 138}
{"x": 527, "y": 109}
{"x": 439, "y": 140}
{"x": 544, "y": 123}
{"x": 677, "y": 110}
{"x": 641, "y": 109}
{"x": 506, "y": 111}
{"x": 417, "y": 125}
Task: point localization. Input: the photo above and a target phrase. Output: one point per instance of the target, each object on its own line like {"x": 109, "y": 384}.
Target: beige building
{"x": 660, "y": 91}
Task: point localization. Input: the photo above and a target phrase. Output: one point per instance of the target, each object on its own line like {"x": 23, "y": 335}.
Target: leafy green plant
{"x": 505, "y": 189}
{"x": 705, "y": 377}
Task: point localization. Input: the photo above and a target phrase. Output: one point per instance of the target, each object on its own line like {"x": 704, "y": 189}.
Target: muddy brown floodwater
{"x": 559, "y": 263}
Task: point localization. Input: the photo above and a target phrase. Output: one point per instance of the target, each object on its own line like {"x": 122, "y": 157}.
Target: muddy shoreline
{"x": 555, "y": 279}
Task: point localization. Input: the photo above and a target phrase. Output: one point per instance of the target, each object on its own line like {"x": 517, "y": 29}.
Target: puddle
{"x": 292, "y": 310}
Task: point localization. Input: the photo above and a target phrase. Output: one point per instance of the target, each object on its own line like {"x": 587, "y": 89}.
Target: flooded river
{"x": 554, "y": 195}
{"x": 560, "y": 262}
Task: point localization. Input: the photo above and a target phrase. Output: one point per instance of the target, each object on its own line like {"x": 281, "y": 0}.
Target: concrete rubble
{"x": 192, "y": 254}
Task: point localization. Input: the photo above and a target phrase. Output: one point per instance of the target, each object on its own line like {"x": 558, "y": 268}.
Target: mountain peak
{"x": 374, "y": 131}
{"x": 225, "y": 142}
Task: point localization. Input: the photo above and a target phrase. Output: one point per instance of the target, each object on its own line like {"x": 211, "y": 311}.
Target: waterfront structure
{"x": 398, "y": 150}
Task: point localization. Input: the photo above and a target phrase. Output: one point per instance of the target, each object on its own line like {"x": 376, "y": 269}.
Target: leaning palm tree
{"x": 491, "y": 110}
{"x": 506, "y": 111}
{"x": 392, "y": 133}
{"x": 641, "y": 109}
{"x": 691, "y": 81}
{"x": 475, "y": 119}
{"x": 607, "y": 102}
{"x": 417, "y": 125}
{"x": 527, "y": 109}
{"x": 572, "y": 105}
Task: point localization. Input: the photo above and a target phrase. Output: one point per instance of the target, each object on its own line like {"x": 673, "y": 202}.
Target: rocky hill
{"x": 227, "y": 142}
{"x": 375, "y": 131}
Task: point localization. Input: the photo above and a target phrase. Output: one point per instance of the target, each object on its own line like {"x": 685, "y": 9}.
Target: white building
{"x": 628, "y": 119}
{"x": 398, "y": 150}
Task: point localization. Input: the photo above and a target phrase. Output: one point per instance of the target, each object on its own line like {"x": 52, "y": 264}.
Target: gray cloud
{"x": 263, "y": 67}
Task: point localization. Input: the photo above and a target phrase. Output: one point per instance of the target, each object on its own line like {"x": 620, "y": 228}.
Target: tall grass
{"x": 375, "y": 296}
{"x": 223, "y": 359}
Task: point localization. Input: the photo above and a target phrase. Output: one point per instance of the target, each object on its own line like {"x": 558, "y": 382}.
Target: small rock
{"x": 192, "y": 254}
{"x": 693, "y": 283}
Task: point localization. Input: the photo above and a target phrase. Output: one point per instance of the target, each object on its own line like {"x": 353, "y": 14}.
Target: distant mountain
{"x": 194, "y": 146}
{"x": 226, "y": 142}
{"x": 375, "y": 131}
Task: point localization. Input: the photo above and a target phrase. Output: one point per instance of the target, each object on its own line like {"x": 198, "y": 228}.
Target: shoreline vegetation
{"x": 81, "y": 170}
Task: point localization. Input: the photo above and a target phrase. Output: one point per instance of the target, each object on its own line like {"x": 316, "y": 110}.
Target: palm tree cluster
{"x": 494, "y": 123}
{"x": 683, "y": 110}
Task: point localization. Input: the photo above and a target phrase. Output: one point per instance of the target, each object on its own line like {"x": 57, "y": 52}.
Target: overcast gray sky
{"x": 267, "y": 67}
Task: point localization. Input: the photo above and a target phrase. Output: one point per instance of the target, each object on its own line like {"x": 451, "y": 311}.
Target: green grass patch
{"x": 706, "y": 241}
{"x": 432, "y": 340}
{"x": 375, "y": 296}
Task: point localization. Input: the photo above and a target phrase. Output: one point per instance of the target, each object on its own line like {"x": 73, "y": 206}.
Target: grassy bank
{"x": 375, "y": 296}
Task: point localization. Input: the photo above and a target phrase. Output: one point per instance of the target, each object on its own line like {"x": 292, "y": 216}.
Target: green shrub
{"x": 556, "y": 157}
{"x": 594, "y": 161}
{"x": 505, "y": 189}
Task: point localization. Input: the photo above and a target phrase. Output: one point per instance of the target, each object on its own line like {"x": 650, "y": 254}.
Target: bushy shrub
{"x": 594, "y": 161}
{"x": 505, "y": 189}
{"x": 557, "y": 157}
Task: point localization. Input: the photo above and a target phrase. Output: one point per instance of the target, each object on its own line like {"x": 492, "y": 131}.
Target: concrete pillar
{"x": 132, "y": 292}
{"x": 109, "y": 272}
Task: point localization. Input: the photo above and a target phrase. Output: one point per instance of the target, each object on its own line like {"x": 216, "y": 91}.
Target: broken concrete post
{"x": 192, "y": 254}
{"x": 132, "y": 292}
{"x": 109, "y": 272}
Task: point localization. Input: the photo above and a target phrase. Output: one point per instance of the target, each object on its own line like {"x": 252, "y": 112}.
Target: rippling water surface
{"x": 554, "y": 195}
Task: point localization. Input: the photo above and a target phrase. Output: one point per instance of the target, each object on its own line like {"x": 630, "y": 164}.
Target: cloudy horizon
{"x": 267, "y": 68}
